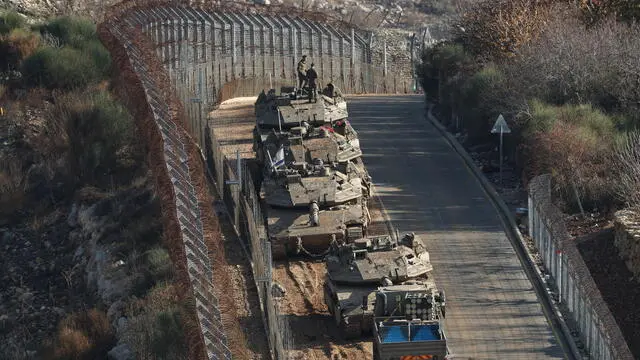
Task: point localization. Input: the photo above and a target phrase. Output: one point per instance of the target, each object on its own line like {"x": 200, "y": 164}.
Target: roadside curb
{"x": 550, "y": 308}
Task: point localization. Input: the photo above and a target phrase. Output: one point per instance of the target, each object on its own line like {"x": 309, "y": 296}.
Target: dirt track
{"x": 312, "y": 332}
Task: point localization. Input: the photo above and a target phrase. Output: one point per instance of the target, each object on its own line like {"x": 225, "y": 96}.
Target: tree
{"x": 498, "y": 28}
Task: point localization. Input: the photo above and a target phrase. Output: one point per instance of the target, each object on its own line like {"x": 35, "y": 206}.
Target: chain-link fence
{"x": 179, "y": 177}
{"x": 237, "y": 189}
{"x": 575, "y": 286}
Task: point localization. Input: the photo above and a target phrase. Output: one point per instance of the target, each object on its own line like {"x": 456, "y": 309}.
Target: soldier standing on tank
{"x": 314, "y": 209}
{"x": 312, "y": 75}
{"x": 302, "y": 72}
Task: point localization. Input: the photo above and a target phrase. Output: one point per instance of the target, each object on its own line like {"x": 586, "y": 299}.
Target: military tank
{"x": 333, "y": 143}
{"x": 373, "y": 276}
{"x": 291, "y": 107}
{"x": 315, "y": 187}
{"x": 311, "y": 205}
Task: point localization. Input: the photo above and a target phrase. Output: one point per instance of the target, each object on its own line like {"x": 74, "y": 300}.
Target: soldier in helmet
{"x": 314, "y": 209}
{"x": 312, "y": 75}
{"x": 302, "y": 72}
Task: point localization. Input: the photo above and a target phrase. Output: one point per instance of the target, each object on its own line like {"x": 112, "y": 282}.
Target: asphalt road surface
{"x": 492, "y": 310}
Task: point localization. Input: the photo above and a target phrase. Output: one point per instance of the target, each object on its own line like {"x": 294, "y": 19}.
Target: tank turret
{"x": 374, "y": 259}
{"x": 290, "y": 107}
{"x": 359, "y": 275}
{"x": 337, "y": 142}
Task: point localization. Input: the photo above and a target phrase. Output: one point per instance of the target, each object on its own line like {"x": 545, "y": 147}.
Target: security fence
{"x": 210, "y": 49}
{"x": 207, "y": 54}
{"x": 178, "y": 171}
{"x": 576, "y": 289}
{"x": 237, "y": 188}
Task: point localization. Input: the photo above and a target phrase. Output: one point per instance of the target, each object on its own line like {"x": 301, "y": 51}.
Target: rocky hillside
{"x": 83, "y": 270}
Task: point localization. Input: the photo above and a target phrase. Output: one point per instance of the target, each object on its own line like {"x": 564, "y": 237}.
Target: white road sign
{"x": 500, "y": 126}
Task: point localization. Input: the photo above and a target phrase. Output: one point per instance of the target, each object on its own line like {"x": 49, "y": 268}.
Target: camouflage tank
{"x": 310, "y": 162}
{"x": 363, "y": 274}
{"x": 290, "y": 108}
{"x": 336, "y": 142}
{"x": 333, "y": 194}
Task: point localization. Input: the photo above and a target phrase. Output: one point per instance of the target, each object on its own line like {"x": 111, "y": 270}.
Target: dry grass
{"x": 16, "y": 46}
{"x": 24, "y": 42}
{"x": 11, "y": 186}
{"x": 82, "y": 335}
{"x": 152, "y": 321}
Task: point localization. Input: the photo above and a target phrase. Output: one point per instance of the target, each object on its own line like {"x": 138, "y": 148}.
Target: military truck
{"x": 399, "y": 338}
{"x": 373, "y": 276}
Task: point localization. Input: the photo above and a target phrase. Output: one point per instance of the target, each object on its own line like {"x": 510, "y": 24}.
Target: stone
{"x": 121, "y": 326}
{"x": 627, "y": 229}
{"x": 115, "y": 311}
{"x": 120, "y": 352}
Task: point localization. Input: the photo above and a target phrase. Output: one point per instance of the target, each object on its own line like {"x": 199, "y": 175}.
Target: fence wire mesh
{"x": 576, "y": 288}
{"x": 192, "y": 258}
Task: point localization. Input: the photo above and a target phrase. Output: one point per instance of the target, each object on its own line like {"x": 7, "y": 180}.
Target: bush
{"x": 100, "y": 56}
{"x": 15, "y": 47}
{"x": 574, "y": 143}
{"x": 72, "y": 31}
{"x": 156, "y": 329}
{"x": 10, "y": 20}
{"x": 64, "y": 68}
{"x": 158, "y": 263}
{"x": 498, "y": 28}
{"x": 168, "y": 340}
{"x": 439, "y": 65}
{"x": 483, "y": 97}
{"x": 84, "y": 335}
{"x": 97, "y": 127}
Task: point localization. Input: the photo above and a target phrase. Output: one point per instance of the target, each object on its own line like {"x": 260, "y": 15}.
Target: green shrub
{"x": 158, "y": 263}
{"x": 481, "y": 100}
{"x": 156, "y": 327}
{"x": 574, "y": 143}
{"x": 97, "y": 127}
{"x": 99, "y": 54}
{"x": 10, "y": 20}
{"x": 439, "y": 64}
{"x": 168, "y": 340}
{"x": 72, "y": 31}
{"x": 63, "y": 68}
{"x": 544, "y": 116}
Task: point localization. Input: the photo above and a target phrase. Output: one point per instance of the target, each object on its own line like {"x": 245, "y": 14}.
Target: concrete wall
{"x": 627, "y": 240}
{"x": 572, "y": 280}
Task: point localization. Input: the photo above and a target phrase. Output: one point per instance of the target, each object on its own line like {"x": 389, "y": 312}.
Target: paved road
{"x": 492, "y": 310}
